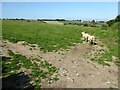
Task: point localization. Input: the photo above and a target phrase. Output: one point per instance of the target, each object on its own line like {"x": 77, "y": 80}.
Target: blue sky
{"x": 66, "y": 10}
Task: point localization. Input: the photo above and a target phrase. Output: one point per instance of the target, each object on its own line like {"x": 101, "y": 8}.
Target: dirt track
{"x": 79, "y": 71}
{"x": 54, "y": 22}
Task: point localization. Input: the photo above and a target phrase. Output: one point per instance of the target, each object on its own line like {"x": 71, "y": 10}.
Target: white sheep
{"x": 88, "y": 38}
{"x": 91, "y": 39}
{"x": 85, "y": 36}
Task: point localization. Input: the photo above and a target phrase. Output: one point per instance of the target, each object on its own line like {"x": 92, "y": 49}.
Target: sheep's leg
{"x": 87, "y": 39}
{"x": 92, "y": 42}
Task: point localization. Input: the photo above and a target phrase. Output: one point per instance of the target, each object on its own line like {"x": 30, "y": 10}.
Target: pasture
{"x": 56, "y": 40}
{"x": 54, "y": 37}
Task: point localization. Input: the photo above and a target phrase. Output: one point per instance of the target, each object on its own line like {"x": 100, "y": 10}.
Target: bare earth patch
{"x": 76, "y": 70}
{"x": 54, "y": 22}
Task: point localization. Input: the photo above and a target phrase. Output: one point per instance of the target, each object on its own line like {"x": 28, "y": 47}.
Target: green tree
{"x": 117, "y": 18}
{"x": 93, "y": 23}
{"x": 110, "y": 22}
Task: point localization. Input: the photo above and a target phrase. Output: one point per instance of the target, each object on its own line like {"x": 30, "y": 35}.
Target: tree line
{"x": 111, "y": 22}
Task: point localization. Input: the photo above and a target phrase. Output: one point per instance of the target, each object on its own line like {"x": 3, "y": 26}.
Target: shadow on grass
{"x": 18, "y": 81}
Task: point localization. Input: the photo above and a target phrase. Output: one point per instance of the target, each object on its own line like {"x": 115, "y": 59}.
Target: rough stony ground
{"x": 76, "y": 70}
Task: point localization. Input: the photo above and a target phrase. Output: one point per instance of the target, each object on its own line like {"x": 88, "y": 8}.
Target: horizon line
{"x": 55, "y": 19}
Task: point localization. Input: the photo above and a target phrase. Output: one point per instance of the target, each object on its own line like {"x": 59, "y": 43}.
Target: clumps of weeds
{"x": 56, "y": 50}
{"x": 93, "y": 49}
{"x": 13, "y": 39}
{"x": 44, "y": 51}
{"x": 10, "y": 65}
{"x": 62, "y": 53}
{"x": 86, "y": 52}
{"x": 96, "y": 57}
{"x": 100, "y": 56}
{"x": 99, "y": 53}
{"x": 59, "y": 59}
{"x": 10, "y": 53}
{"x": 49, "y": 50}
{"x": 3, "y": 45}
{"x": 37, "y": 60}
{"x": 41, "y": 69}
{"x": 68, "y": 49}
{"x": 33, "y": 46}
{"x": 117, "y": 62}
{"x": 101, "y": 61}
{"x": 61, "y": 49}
{"x": 111, "y": 88}
{"x": 41, "y": 57}
{"x": 107, "y": 64}
{"x": 4, "y": 41}
{"x": 92, "y": 59}
{"x": 41, "y": 48}
{"x": 24, "y": 44}
{"x": 102, "y": 45}
{"x": 101, "y": 50}
{"x": 31, "y": 49}
{"x": 45, "y": 71}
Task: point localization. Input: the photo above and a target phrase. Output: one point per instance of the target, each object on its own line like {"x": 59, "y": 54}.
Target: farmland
{"x": 54, "y": 37}
{"x": 55, "y": 41}
{"x": 51, "y": 37}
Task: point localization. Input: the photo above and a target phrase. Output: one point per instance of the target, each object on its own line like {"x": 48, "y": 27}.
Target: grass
{"x": 48, "y": 37}
{"x": 17, "y": 61}
{"x": 78, "y": 23}
{"x": 54, "y": 37}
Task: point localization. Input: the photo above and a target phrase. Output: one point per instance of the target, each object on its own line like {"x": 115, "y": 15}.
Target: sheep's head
{"x": 83, "y": 32}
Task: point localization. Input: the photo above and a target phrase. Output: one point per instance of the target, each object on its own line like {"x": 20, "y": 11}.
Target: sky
{"x": 119, "y": 8}
{"x": 61, "y": 10}
{"x": 60, "y": 0}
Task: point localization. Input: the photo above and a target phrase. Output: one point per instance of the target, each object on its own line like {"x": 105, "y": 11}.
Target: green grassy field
{"x": 54, "y": 37}
{"x": 51, "y": 37}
